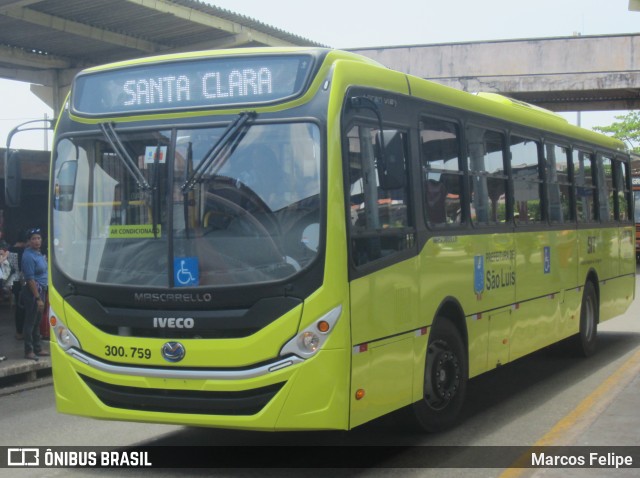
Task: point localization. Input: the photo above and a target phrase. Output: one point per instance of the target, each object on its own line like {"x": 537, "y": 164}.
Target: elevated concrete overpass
{"x": 45, "y": 42}
{"x": 580, "y": 73}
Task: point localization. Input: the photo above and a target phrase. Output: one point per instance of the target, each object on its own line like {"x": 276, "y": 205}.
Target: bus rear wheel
{"x": 586, "y": 340}
{"x": 445, "y": 379}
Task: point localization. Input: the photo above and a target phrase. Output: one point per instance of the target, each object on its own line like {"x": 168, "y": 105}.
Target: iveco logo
{"x": 173, "y": 351}
{"x": 173, "y": 323}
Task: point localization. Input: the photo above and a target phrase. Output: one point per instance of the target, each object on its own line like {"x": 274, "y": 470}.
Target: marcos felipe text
{"x": 608, "y": 460}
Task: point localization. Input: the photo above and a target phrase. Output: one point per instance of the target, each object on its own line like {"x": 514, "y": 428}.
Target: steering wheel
{"x": 244, "y": 214}
{"x": 243, "y": 196}
{"x": 251, "y": 219}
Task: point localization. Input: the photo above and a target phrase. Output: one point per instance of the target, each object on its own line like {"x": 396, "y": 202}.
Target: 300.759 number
{"x": 133, "y": 352}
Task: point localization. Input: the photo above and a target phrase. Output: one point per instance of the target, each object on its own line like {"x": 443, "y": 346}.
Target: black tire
{"x": 585, "y": 342}
{"x": 445, "y": 379}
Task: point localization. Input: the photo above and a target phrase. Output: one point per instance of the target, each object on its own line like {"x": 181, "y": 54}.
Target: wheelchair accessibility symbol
{"x": 547, "y": 260}
{"x": 478, "y": 274}
{"x": 185, "y": 271}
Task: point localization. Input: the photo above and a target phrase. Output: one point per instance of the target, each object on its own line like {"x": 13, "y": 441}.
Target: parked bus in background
{"x": 285, "y": 239}
{"x": 635, "y": 183}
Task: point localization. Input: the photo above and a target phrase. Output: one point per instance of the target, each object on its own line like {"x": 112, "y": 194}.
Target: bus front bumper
{"x": 287, "y": 394}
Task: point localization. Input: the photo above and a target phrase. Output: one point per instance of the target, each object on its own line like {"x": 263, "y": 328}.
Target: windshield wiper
{"x": 119, "y": 149}
{"x": 213, "y": 155}
{"x": 155, "y": 192}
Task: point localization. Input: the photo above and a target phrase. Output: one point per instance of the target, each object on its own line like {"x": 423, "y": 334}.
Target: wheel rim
{"x": 442, "y": 376}
{"x": 589, "y": 318}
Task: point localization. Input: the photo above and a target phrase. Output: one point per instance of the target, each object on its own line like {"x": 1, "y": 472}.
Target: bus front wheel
{"x": 445, "y": 378}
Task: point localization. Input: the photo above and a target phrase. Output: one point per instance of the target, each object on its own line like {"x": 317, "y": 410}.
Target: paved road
{"x": 548, "y": 398}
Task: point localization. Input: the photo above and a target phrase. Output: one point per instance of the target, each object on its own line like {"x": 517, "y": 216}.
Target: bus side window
{"x": 64, "y": 186}
{"x": 621, "y": 173}
{"x": 442, "y": 175}
{"x": 557, "y": 164}
{"x": 379, "y": 210}
{"x": 487, "y": 176}
{"x": 636, "y": 199}
{"x": 585, "y": 188}
{"x": 65, "y": 178}
{"x": 606, "y": 192}
{"x": 527, "y": 185}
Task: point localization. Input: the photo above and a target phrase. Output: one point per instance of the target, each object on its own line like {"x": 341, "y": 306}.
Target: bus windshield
{"x": 123, "y": 213}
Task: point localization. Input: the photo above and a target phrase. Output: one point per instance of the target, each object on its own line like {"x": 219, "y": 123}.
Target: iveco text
{"x": 173, "y": 323}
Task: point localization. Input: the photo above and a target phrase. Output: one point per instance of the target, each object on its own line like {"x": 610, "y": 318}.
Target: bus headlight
{"x": 64, "y": 336}
{"x": 308, "y": 341}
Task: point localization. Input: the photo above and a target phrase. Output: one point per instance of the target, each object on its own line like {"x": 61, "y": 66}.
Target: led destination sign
{"x": 191, "y": 84}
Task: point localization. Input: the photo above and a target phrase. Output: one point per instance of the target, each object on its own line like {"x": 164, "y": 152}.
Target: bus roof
{"x": 335, "y": 55}
{"x": 512, "y": 110}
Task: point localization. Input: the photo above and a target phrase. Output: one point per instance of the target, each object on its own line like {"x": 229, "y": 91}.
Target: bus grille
{"x": 247, "y": 402}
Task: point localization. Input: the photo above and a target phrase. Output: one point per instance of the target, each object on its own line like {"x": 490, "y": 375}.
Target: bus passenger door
{"x": 383, "y": 286}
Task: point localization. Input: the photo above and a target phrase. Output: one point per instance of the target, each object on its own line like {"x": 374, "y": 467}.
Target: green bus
{"x": 286, "y": 239}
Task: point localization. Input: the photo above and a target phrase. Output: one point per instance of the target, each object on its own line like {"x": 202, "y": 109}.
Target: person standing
{"x": 18, "y": 249}
{"x": 34, "y": 269}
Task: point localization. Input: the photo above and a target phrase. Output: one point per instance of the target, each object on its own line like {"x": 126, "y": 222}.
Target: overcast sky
{"x": 360, "y": 23}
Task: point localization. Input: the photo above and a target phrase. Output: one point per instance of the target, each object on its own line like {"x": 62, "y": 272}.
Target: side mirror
{"x": 12, "y": 178}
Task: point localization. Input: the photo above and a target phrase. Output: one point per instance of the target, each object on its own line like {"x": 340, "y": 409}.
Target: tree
{"x": 627, "y": 129}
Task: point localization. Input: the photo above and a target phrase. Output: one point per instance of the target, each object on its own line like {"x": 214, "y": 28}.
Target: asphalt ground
{"x": 15, "y": 369}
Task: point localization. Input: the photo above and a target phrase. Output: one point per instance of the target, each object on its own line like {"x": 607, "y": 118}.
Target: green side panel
{"x": 478, "y": 336}
{"x": 386, "y": 373}
{"x": 535, "y": 325}
{"x": 384, "y": 313}
{"x": 616, "y": 296}
{"x": 386, "y": 303}
{"x": 570, "y": 312}
{"x": 499, "y": 324}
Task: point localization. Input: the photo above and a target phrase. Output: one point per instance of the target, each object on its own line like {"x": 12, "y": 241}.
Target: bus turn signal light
{"x": 360, "y": 394}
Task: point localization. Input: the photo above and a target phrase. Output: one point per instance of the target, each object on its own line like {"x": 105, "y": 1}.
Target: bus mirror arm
{"x": 48, "y": 124}
{"x": 12, "y": 159}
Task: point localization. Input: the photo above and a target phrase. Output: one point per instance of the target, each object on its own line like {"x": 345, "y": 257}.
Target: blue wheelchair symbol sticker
{"x": 547, "y": 260}
{"x": 186, "y": 271}
{"x": 478, "y": 277}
